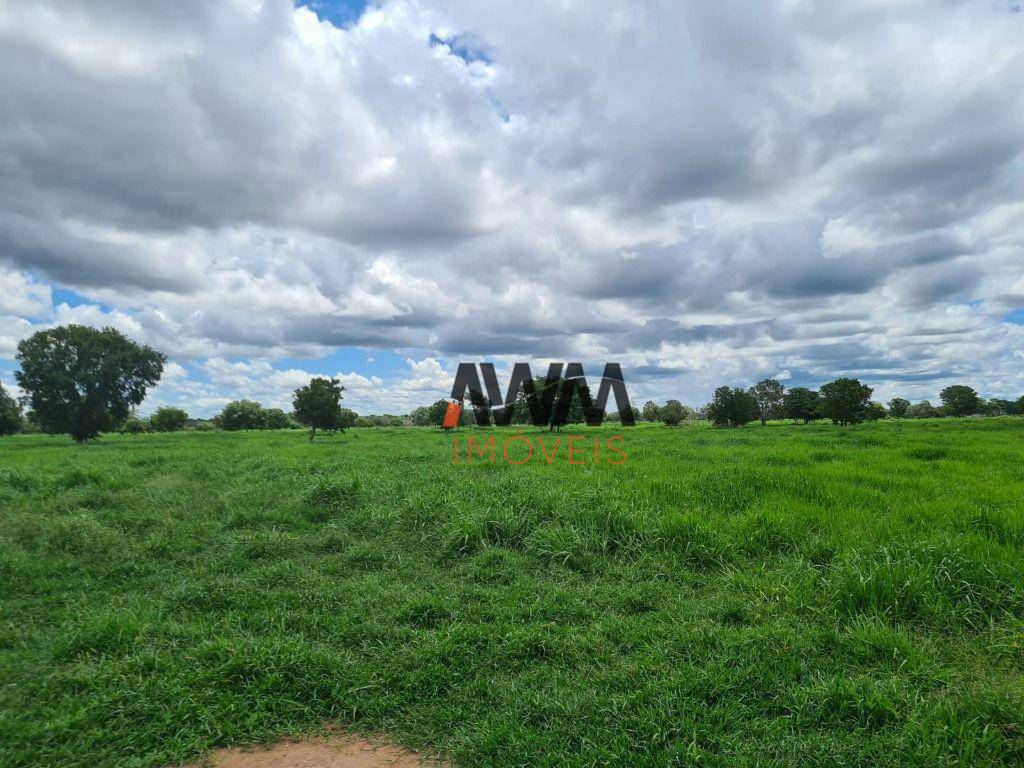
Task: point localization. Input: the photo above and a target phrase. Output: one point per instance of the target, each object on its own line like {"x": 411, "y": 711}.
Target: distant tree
{"x": 10, "y": 414}
{"x": 168, "y": 419}
{"x": 651, "y": 411}
{"x": 898, "y": 407}
{"x": 998, "y": 407}
{"x": 363, "y": 421}
{"x": 922, "y": 410}
{"x": 81, "y": 381}
{"x": 429, "y": 415}
{"x": 802, "y": 404}
{"x": 768, "y": 394}
{"x": 241, "y": 414}
{"x": 672, "y": 413}
{"x": 733, "y": 407}
{"x": 1020, "y": 406}
{"x": 876, "y": 411}
{"x": 133, "y": 425}
{"x": 845, "y": 401}
{"x": 275, "y": 418}
{"x": 348, "y": 418}
{"x": 960, "y": 400}
{"x": 318, "y": 405}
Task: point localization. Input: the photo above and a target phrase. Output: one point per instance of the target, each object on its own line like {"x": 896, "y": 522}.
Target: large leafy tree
{"x": 845, "y": 401}
{"x": 768, "y": 394}
{"x": 732, "y": 407}
{"x": 898, "y": 407}
{"x": 1020, "y": 406}
{"x": 168, "y": 419}
{"x": 10, "y": 414}
{"x": 802, "y": 404}
{"x": 960, "y": 400}
{"x": 82, "y": 381}
{"x": 318, "y": 405}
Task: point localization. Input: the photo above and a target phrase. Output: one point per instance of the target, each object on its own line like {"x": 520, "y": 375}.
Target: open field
{"x": 773, "y": 596}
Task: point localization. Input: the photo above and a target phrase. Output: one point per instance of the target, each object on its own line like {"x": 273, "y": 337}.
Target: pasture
{"x": 786, "y": 595}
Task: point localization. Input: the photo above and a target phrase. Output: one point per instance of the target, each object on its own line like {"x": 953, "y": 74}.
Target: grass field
{"x": 787, "y": 595}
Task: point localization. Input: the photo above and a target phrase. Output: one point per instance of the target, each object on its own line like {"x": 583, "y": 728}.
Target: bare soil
{"x": 320, "y": 752}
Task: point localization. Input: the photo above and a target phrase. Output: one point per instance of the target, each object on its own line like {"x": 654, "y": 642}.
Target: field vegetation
{"x": 780, "y": 595}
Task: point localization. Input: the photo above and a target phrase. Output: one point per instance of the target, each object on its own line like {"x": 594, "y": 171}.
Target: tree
{"x": 318, "y": 405}
{"x": 876, "y": 411}
{"x": 997, "y": 406}
{"x": 133, "y": 425}
{"x": 845, "y": 401}
{"x": 10, "y": 414}
{"x": 651, "y": 411}
{"x": 672, "y": 413}
{"x": 960, "y": 400}
{"x": 768, "y": 394}
{"x": 922, "y": 410}
{"x": 732, "y": 407}
{"x": 802, "y": 404}
{"x": 275, "y": 418}
{"x": 898, "y": 407}
{"x": 348, "y": 418}
{"x": 81, "y": 381}
{"x": 1020, "y": 406}
{"x": 429, "y": 415}
{"x": 241, "y": 414}
{"x": 168, "y": 419}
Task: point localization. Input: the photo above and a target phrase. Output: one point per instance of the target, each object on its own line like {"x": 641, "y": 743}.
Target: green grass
{"x": 788, "y": 595}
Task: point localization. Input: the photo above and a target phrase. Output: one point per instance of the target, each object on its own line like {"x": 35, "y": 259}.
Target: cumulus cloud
{"x": 707, "y": 194}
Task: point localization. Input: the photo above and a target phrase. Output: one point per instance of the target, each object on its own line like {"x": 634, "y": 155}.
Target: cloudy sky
{"x": 707, "y": 192}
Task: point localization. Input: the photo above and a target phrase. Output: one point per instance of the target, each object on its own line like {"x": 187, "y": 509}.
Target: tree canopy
{"x": 732, "y": 407}
{"x": 960, "y": 400}
{"x": 318, "y": 405}
{"x": 10, "y": 414}
{"x": 768, "y": 394}
{"x": 845, "y": 401}
{"x": 673, "y": 412}
{"x": 898, "y": 407}
{"x": 802, "y": 404}
{"x": 167, "y": 419}
{"x": 82, "y": 381}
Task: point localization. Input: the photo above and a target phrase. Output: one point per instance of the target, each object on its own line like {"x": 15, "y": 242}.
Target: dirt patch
{"x": 319, "y": 752}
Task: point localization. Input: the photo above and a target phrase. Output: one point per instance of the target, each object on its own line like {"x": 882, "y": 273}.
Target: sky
{"x": 704, "y": 193}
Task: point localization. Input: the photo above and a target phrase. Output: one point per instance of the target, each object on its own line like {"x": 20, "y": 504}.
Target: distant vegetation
{"x": 81, "y": 382}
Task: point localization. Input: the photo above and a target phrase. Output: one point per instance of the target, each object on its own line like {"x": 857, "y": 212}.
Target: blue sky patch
{"x": 340, "y": 13}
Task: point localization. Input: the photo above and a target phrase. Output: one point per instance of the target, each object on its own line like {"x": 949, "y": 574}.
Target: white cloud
{"x": 709, "y": 195}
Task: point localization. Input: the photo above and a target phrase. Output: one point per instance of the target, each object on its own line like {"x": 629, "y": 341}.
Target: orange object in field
{"x": 451, "y": 416}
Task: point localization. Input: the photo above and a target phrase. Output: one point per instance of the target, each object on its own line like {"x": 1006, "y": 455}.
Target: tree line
{"x": 81, "y": 381}
{"x": 844, "y": 401}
